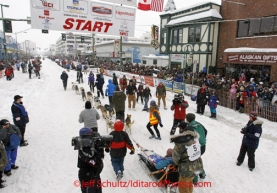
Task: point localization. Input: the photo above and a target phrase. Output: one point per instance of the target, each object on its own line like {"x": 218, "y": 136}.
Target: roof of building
{"x": 212, "y": 13}
{"x": 245, "y": 49}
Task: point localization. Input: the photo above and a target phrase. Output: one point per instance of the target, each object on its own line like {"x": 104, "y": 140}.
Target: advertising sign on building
{"x": 83, "y": 16}
{"x": 252, "y": 58}
{"x": 124, "y": 2}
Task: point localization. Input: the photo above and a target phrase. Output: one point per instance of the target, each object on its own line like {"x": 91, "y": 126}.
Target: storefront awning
{"x": 212, "y": 14}
{"x": 245, "y": 50}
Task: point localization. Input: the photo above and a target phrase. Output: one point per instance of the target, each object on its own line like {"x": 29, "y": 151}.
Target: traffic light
{"x": 82, "y": 39}
{"x": 63, "y": 37}
{"x": 8, "y": 26}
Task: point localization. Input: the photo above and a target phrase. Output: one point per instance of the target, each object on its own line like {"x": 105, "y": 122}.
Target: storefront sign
{"x": 252, "y": 58}
{"x": 82, "y": 16}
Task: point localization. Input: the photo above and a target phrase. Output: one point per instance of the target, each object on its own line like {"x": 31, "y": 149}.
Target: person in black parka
{"x": 90, "y": 166}
{"x": 99, "y": 85}
{"x": 64, "y": 78}
{"x": 250, "y": 142}
{"x": 115, "y": 82}
{"x": 202, "y": 98}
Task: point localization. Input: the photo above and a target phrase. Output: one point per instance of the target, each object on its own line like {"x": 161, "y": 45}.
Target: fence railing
{"x": 263, "y": 108}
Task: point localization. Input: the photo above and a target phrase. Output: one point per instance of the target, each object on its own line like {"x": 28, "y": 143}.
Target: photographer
{"x": 179, "y": 107}
{"x": 90, "y": 164}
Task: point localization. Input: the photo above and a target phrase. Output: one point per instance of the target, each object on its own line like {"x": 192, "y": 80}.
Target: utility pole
{"x": 93, "y": 43}
{"x": 4, "y": 34}
{"x": 120, "y": 47}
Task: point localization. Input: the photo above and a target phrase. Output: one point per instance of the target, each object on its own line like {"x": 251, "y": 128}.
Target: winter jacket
{"x": 140, "y": 89}
{"x": 5, "y": 134}
{"x": 115, "y": 82}
{"x": 161, "y": 90}
{"x": 91, "y": 78}
{"x": 233, "y": 91}
{"x": 202, "y": 96}
{"x": 3, "y": 157}
{"x": 18, "y": 111}
{"x": 267, "y": 97}
{"x": 89, "y": 117}
{"x": 83, "y": 160}
{"x": 99, "y": 82}
{"x": 8, "y": 72}
{"x": 179, "y": 78}
{"x": 164, "y": 163}
{"x": 200, "y": 129}
{"x": 67, "y": 66}
{"x": 213, "y": 101}
{"x": 180, "y": 156}
{"x": 253, "y": 133}
{"x": 131, "y": 89}
{"x": 155, "y": 118}
{"x": 119, "y": 99}
{"x": 180, "y": 110}
{"x": 110, "y": 88}
{"x": 146, "y": 93}
{"x": 120, "y": 143}
{"x": 123, "y": 83}
{"x": 64, "y": 77}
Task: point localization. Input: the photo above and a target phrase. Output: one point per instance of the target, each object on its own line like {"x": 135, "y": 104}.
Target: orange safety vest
{"x": 152, "y": 119}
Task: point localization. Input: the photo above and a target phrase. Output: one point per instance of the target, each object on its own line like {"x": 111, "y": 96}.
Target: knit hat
{"x": 88, "y": 105}
{"x": 4, "y": 122}
{"x": 253, "y": 115}
{"x": 190, "y": 117}
{"x": 169, "y": 152}
{"x": 153, "y": 103}
{"x": 85, "y": 131}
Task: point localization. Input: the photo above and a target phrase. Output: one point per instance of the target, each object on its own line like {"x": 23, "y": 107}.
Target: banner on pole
{"x": 83, "y": 16}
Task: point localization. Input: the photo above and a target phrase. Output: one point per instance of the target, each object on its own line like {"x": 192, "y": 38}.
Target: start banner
{"x": 83, "y": 16}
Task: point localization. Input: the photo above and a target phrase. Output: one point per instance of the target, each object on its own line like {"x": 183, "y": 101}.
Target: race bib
{"x": 194, "y": 150}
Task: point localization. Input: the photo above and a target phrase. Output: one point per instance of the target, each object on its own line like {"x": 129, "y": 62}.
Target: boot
{"x": 215, "y": 115}
{"x": 211, "y": 115}
{"x": 152, "y": 136}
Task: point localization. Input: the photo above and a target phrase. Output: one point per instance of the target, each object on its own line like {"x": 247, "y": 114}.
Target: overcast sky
{"x": 20, "y": 9}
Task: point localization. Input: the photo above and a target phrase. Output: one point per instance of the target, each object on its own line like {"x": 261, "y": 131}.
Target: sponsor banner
{"x": 147, "y": 80}
{"x": 83, "y": 16}
{"x": 252, "y": 58}
{"x": 124, "y": 2}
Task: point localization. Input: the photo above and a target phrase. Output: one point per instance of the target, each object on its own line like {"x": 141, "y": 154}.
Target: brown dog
{"x": 77, "y": 89}
{"x": 128, "y": 123}
{"x": 103, "y": 110}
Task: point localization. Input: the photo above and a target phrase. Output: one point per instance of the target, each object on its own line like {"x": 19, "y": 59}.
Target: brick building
{"x": 247, "y": 38}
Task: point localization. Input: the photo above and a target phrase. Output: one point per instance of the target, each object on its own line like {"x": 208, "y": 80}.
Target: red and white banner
{"x": 83, "y": 16}
{"x": 151, "y": 5}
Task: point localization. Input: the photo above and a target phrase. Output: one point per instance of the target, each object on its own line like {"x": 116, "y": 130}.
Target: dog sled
{"x": 166, "y": 178}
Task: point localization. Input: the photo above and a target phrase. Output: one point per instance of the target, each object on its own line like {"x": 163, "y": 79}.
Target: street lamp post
{"x": 186, "y": 61}
{"x": 24, "y": 31}
{"x": 5, "y": 44}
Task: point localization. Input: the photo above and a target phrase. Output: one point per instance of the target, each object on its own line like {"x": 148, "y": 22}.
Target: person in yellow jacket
{"x": 154, "y": 120}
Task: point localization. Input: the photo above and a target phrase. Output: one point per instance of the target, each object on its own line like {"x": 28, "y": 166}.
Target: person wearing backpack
{"x": 11, "y": 139}
{"x": 3, "y": 162}
{"x": 201, "y": 130}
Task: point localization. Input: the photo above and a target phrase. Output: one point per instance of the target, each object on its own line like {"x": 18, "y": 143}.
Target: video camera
{"x": 90, "y": 141}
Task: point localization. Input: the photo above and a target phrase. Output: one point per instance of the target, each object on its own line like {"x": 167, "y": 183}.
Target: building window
{"x": 254, "y": 27}
{"x": 175, "y": 36}
{"x": 243, "y": 28}
{"x": 267, "y": 24}
{"x": 143, "y": 61}
{"x": 191, "y": 35}
{"x": 180, "y": 40}
{"x": 164, "y": 38}
{"x": 197, "y": 34}
{"x": 154, "y": 61}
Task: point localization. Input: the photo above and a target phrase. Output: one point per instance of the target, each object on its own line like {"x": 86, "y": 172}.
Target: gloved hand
{"x": 174, "y": 102}
{"x": 215, "y": 105}
{"x": 106, "y": 95}
{"x": 132, "y": 151}
{"x": 92, "y": 162}
{"x": 161, "y": 125}
{"x": 107, "y": 150}
{"x": 243, "y": 131}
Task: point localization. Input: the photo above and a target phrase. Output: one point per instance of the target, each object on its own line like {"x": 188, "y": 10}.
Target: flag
{"x": 157, "y": 5}
{"x": 144, "y": 5}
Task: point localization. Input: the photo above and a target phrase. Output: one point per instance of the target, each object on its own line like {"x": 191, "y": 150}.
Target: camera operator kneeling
{"x": 90, "y": 161}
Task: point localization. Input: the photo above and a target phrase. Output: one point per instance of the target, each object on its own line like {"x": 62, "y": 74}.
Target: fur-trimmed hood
{"x": 258, "y": 122}
{"x": 185, "y": 137}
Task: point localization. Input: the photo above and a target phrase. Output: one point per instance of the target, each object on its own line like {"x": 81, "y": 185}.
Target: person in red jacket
{"x": 241, "y": 94}
{"x": 118, "y": 148}
{"x": 8, "y": 73}
{"x": 179, "y": 107}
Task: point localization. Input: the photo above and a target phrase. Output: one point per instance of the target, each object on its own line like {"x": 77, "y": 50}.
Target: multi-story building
{"x": 28, "y": 47}
{"x": 248, "y": 39}
{"x": 11, "y": 47}
{"x": 192, "y": 31}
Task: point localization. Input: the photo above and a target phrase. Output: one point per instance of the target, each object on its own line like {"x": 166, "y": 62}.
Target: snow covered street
{"x": 49, "y": 162}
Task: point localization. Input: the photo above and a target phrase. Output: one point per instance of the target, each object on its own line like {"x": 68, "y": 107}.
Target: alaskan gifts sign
{"x": 82, "y": 16}
{"x": 252, "y": 58}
